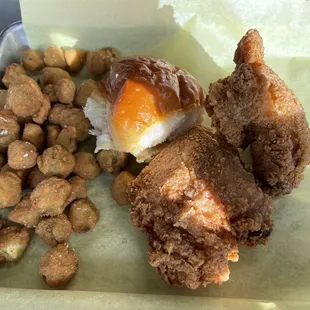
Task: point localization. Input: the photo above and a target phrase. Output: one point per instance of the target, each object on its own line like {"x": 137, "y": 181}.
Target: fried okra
{"x": 50, "y": 91}
{"x": 86, "y": 166}
{"x": 84, "y": 92}
{"x": 34, "y": 177}
{"x": 3, "y": 95}
{"x": 65, "y": 91}
{"x": 34, "y": 134}
{"x": 75, "y": 59}
{"x": 56, "y": 161}
{"x": 58, "y": 265}
{"x": 24, "y": 99}
{"x": 67, "y": 139}
{"x": 22, "y": 155}
{"x": 83, "y": 215}
{"x": 99, "y": 61}
{"x": 95, "y": 62}
{"x": 110, "y": 55}
{"x": 13, "y": 243}
{"x": 41, "y": 115}
{"x": 9, "y": 129}
{"x": 2, "y": 222}
{"x": 12, "y": 73}
{"x": 10, "y": 189}
{"x": 51, "y": 196}
{"x": 53, "y": 75}
{"x": 52, "y": 132}
{"x": 32, "y": 60}
{"x": 64, "y": 116}
{"x": 19, "y": 173}
{"x": 119, "y": 187}
{"x": 54, "y": 57}
{"x": 2, "y": 160}
{"x": 24, "y": 213}
{"x": 112, "y": 161}
{"x": 79, "y": 189}
{"x": 54, "y": 230}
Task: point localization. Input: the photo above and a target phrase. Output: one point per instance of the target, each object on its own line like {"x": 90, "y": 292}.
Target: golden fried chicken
{"x": 255, "y": 107}
{"x": 196, "y": 202}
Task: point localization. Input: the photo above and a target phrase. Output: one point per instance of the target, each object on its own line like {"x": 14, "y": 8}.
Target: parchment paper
{"x": 200, "y": 36}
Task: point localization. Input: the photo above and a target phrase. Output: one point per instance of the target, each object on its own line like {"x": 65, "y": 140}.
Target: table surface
{"x": 9, "y": 12}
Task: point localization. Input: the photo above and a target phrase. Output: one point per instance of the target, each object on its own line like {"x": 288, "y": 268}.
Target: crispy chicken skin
{"x": 197, "y": 208}
{"x": 254, "y": 107}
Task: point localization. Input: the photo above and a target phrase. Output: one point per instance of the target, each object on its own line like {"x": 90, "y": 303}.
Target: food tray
{"x": 114, "y": 272}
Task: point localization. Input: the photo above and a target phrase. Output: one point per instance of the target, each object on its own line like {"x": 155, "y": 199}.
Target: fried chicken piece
{"x": 196, "y": 202}
{"x": 255, "y": 107}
